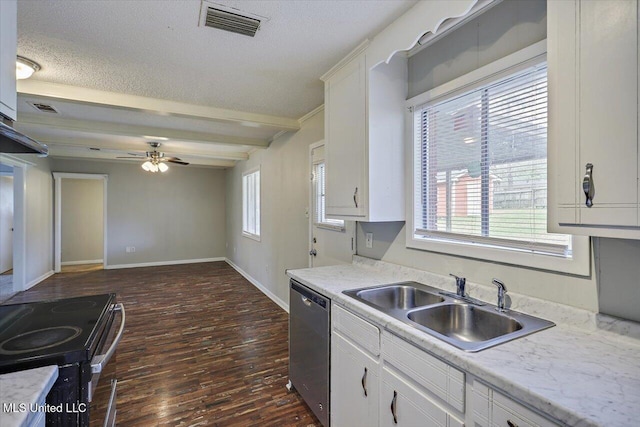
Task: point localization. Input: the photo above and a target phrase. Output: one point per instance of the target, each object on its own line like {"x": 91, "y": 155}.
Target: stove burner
{"x": 39, "y": 339}
{"x": 73, "y": 306}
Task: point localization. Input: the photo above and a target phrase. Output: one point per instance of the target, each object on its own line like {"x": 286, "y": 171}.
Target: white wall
{"x": 170, "y": 217}
{"x": 81, "y": 220}
{"x": 285, "y": 179}
{"x": 39, "y": 220}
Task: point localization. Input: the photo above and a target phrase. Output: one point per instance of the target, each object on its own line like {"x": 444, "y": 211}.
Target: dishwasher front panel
{"x": 309, "y": 348}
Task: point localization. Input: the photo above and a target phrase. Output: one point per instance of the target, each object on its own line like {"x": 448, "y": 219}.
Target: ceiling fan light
{"x": 154, "y": 167}
{"x": 163, "y": 167}
{"x": 147, "y": 166}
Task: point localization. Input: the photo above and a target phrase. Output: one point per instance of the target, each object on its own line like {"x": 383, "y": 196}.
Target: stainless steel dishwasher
{"x": 309, "y": 348}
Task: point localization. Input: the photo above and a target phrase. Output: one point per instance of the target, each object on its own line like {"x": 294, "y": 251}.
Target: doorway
{"x": 331, "y": 241}
{"x": 6, "y": 229}
{"x": 80, "y": 222}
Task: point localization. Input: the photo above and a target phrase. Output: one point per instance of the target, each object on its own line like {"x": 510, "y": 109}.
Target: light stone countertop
{"x": 576, "y": 372}
{"x": 24, "y": 388}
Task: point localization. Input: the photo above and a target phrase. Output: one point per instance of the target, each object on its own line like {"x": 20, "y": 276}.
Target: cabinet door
{"x": 403, "y": 405}
{"x": 354, "y": 385}
{"x": 345, "y": 134}
{"x": 8, "y": 36}
{"x": 593, "y": 83}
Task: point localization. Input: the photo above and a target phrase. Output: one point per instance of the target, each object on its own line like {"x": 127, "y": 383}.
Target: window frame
{"x": 328, "y": 223}
{"x": 578, "y": 263}
{"x": 257, "y": 206}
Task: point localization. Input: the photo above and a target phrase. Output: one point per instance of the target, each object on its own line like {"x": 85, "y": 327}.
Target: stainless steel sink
{"x": 470, "y": 327}
{"x": 401, "y": 296}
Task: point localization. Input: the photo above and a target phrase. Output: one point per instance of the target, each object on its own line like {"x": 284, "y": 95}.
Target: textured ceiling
{"x": 157, "y": 49}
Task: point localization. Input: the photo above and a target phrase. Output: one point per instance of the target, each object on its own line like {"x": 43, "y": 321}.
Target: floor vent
{"x": 233, "y": 20}
{"x": 45, "y": 108}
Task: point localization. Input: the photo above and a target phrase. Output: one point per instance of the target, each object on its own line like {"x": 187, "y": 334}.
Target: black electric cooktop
{"x": 53, "y": 332}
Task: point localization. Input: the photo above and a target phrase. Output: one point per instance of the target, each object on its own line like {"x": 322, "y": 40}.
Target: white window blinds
{"x": 320, "y": 217}
{"x": 481, "y": 166}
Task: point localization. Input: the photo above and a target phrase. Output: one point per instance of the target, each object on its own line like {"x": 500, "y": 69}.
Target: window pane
{"x": 481, "y": 165}
{"x": 251, "y": 203}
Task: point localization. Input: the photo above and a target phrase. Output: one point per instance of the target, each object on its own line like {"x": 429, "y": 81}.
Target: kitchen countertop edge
{"x": 25, "y": 387}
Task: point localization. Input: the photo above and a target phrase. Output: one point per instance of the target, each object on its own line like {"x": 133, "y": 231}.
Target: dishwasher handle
{"x": 309, "y": 297}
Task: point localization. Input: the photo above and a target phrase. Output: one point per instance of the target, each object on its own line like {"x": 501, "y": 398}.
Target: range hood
{"x": 12, "y": 141}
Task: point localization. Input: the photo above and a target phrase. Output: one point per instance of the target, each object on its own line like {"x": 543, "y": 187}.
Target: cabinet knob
{"x": 587, "y": 185}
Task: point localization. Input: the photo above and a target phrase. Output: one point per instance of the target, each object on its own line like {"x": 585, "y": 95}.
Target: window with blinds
{"x": 480, "y": 172}
{"x": 319, "y": 215}
{"x": 251, "y": 204}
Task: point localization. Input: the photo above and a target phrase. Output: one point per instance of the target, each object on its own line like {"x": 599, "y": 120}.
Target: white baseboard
{"x": 34, "y": 282}
{"x": 159, "y": 263}
{"x": 259, "y": 285}
{"x": 88, "y": 261}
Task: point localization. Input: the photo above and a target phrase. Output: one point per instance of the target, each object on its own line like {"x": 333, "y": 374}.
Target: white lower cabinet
{"x": 354, "y": 384}
{"x": 405, "y": 405}
{"x": 493, "y": 409}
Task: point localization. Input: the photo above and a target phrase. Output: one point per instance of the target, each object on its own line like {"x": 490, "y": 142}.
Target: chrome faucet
{"x": 502, "y": 289}
{"x": 460, "y": 285}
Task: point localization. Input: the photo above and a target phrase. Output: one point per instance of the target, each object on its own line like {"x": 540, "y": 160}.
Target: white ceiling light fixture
{"x": 25, "y": 67}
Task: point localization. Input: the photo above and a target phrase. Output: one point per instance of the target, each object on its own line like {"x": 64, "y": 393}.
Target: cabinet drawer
{"x": 493, "y": 409}
{"x": 356, "y": 329}
{"x": 445, "y": 381}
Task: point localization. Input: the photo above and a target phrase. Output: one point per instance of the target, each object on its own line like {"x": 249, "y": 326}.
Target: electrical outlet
{"x": 130, "y": 249}
{"x": 369, "y": 240}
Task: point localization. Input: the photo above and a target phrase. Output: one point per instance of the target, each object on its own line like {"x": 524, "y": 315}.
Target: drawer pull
{"x": 393, "y": 407}
{"x": 364, "y": 382}
{"x": 587, "y": 185}
{"x": 511, "y": 423}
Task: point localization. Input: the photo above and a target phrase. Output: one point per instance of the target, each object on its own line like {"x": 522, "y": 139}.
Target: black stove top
{"x": 54, "y": 332}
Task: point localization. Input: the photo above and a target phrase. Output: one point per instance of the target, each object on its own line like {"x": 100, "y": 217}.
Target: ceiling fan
{"x": 156, "y": 160}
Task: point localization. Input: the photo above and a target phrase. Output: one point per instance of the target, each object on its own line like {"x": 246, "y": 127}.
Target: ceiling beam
{"x": 121, "y": 149}
{"x": 52, "y": 122}
{"x": 91, "y": 155}
{"x": 154, "y": 105}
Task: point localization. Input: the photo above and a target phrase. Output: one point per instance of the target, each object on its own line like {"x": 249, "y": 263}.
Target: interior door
{"x": 331, "y": 241}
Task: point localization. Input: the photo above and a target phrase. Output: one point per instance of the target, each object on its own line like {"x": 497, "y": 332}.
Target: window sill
{"x": 578, "y": 264}
{"x": 255, "y": 237}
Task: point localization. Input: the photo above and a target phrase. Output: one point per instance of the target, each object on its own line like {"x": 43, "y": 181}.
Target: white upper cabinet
{"x": 8, "y": 51}
{"x": 593, "y": 117}
{"x": 364, "y": 116}
{"x": 364, "y": 140}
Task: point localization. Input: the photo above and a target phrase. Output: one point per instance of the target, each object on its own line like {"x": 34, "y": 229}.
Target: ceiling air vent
{"x": 45, "y": 108}
{"x": 228, "y": 19}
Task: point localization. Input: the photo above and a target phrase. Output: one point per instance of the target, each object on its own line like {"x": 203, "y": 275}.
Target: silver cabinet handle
{"x": 364, "y": 382}
{"x": 393, "y": 406}
{"x": 511, "y": 423}
{"x": 587, "y": 185}
{"x": 100, "y": 360}
{"x": 355, "y": 197}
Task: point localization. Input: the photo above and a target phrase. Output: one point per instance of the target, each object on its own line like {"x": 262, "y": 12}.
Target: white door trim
{"x": 19, "y": 219}
{"x": 310, "y": 209}
{"x": 58, "y": 177}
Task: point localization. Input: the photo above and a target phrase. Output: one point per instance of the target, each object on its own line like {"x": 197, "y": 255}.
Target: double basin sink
{"x": 462, "y": 322}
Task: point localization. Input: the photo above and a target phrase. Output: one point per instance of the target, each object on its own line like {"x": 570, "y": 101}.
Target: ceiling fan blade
{"x": 137, "y": 158}
{"x": 180, "y": 162}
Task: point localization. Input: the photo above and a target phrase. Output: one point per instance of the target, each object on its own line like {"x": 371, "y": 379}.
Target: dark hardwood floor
{"x": 202, "y": 346}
